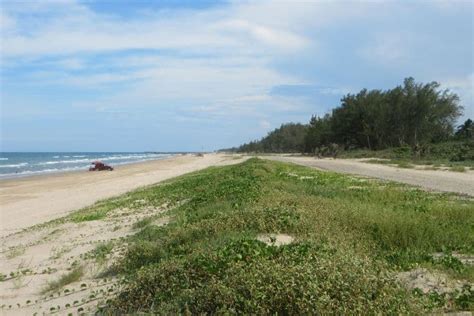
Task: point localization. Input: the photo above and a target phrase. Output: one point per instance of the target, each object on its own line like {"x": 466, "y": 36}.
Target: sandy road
{"x": 445, "y": 181}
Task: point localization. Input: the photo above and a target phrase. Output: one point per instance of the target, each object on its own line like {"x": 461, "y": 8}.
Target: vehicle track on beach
{"x": 432, "y": 180}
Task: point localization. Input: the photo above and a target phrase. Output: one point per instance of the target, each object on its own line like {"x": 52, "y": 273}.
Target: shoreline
{"x": 27, "y": 201}
{"x": 42, "y": 174}
{"x": 20, "y": 175}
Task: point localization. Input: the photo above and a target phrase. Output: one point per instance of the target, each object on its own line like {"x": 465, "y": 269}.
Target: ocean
{"x": 17, "y": 164}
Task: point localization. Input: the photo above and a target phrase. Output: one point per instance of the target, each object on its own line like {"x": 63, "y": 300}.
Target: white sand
{"x": 32, "y": 259}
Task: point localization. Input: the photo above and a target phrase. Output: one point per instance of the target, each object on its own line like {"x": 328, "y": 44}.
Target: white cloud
{"x": 72, "y": 28}
{"x": 388, "y": 49}
{"x": 262, "y": 27}
{"x": 464, "y": 87}
{"x": 264, "y": 124}
{"x": 71, "y": 63}
{"x": 266, "y": 35}
{"x": 6, "y": 22}
{"x": 214, "y": 62}
{"x": 453, "y": 5}
{"x": 220, "y": 58}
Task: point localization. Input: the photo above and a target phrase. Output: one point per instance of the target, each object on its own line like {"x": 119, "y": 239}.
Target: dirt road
{"x": 445, "y": 181}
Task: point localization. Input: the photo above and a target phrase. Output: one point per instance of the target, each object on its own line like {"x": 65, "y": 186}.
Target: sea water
{"x": 17, "y": 164}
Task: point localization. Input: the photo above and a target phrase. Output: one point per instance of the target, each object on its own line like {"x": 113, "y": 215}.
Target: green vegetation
{"x": 97, "y": 212}
{"x": 143, "y": 222}
{"x": 416, "y": 119}
{"x": 465, "y": 130}
{"x": 101, "y": 251}
{"x": 351, "y": 238}
{"x": 68, "y": 278}
{"x": 15, "y": 252}
{"x": 288, "y": 138}
{"x": 458, "y": 169}
{"x": 447, "y": 154}
{"x": 412, "y": 114}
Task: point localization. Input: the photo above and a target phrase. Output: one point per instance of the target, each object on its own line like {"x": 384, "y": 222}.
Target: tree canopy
{"x": 411, "y": 114}
{"x": 289, "y": 137}
{"x": 465, "y": 130}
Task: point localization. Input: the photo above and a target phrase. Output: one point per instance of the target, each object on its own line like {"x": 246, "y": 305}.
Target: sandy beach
{"x": 25, "y": 202}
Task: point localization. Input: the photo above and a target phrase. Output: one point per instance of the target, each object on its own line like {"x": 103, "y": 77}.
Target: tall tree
{"x": 465, "y": 130}
{"x": 288, "y": 137}
{"x": 318, "y": 134}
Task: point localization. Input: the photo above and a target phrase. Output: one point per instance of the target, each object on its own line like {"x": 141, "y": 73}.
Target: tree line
{"x": 412, "y": 114}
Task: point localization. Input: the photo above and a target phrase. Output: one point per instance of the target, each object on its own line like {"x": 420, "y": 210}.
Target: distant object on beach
{"x": 100, "y": 166}
{"x": 199, "y": 155}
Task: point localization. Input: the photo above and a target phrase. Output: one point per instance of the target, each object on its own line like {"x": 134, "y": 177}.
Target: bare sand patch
{"x": 32, "y": 279}
{"x": 429, "y": 281}
{"x": 275, "y": 239}
{"x": 463, "y": 258}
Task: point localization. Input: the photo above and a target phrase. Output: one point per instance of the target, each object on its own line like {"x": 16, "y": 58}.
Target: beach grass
{"x": 101, "y": 251}
{"x": 351, "y": 235}
{"x": 458, "y": 169}
{"x": 143, "y": 222}
{"x": 74, "y": 275}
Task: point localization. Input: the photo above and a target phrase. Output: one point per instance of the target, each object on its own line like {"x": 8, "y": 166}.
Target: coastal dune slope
{"x": 258, "y": 237}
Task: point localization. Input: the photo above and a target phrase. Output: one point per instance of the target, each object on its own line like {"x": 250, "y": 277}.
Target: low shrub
{"x": 247, "y": 276}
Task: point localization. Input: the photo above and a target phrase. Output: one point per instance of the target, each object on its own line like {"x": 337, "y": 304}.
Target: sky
{"x": 187, "y": 75}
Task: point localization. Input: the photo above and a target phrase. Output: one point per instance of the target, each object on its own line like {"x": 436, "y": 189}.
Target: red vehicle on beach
{"x": 100, "y": 166}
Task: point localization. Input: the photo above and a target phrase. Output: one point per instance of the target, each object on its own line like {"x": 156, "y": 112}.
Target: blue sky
{"x": 201, "y": 75}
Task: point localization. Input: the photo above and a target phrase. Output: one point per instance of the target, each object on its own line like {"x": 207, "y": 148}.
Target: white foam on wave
{"x": 85, "y": 164}
{"x": 129, "y": 158}
{"x": 3, "y": 158}
{"x": 133, "y": 156}
{"x": 75, "y": 161}
{"x": 14, "y": 165}
{"x": 30, "y": 172}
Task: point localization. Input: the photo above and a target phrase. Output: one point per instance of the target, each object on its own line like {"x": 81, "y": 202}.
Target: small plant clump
{"x": 142, "y": 223}
{"x": 101, "y": 251}
{"x": 68, "y": 278}
{"x": 458, "y": 169}
{"x": 15, "y": 252}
